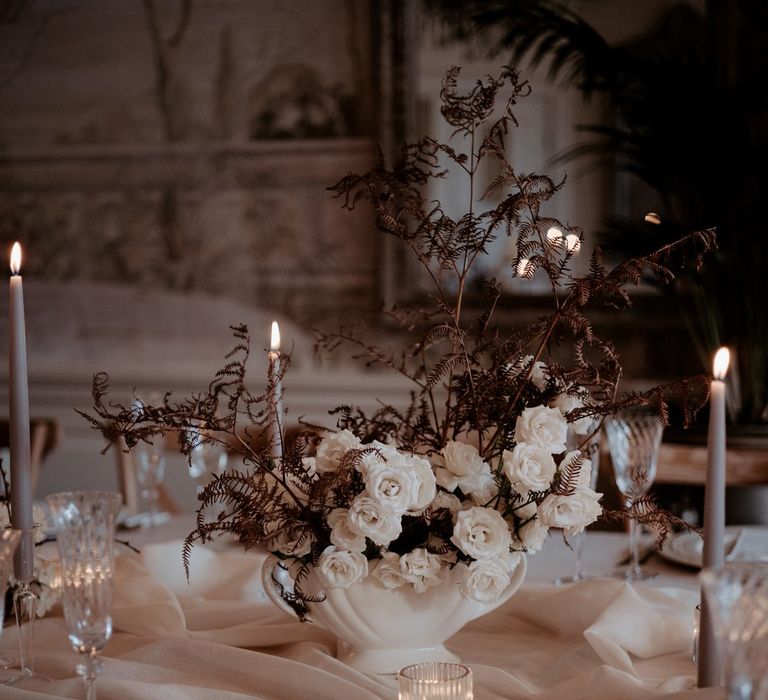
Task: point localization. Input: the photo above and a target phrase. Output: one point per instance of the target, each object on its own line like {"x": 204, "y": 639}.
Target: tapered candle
{"x": 277, "y": 417}
{"x": 710, "y": 654}
{"x": 21, "y": 460}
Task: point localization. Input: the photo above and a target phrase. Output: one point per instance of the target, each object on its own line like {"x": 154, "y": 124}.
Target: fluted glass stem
{"x": 89, "y": 670}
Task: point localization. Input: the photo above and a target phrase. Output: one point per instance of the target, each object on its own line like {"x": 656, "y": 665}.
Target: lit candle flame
{"x": 522, "y": 267}
{"x": 720, "y": 365}
{"x": 16, "y": 258}
{"x": 274, "y": 345}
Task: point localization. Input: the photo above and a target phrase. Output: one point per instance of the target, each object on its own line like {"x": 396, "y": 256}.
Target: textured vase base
{"x": 385, "y": 662}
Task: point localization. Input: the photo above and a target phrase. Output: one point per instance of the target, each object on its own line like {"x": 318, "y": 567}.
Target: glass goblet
{"x": 150, "y": 472}
{"x": 206, "y": 459}
{"x": 8, "y": 540}
{"x": 737, "y": 598}
{"x": 634, "y": 437}
{"x": 590, "y": 450}
{"x": 85, "y": 525}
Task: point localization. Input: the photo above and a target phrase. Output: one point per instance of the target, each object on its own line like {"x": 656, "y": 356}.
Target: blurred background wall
{"x": 165, "y": 163}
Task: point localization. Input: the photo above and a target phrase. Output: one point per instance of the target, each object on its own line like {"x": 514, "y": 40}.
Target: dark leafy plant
{"x": 688, "y": 104}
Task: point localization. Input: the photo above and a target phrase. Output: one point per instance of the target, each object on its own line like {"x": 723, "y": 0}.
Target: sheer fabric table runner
{"x": 219, "y": 638}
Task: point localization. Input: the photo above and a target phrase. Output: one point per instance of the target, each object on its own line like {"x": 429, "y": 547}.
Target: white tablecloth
{"x": 219, "y": 638}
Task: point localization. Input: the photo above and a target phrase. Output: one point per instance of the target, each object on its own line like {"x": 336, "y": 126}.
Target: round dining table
{"x": 217, "y": 636}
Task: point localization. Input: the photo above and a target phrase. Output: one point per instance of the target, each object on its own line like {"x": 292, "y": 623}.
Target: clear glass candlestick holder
{"x": 85, "y": 525}
{"x": 737, "y": 598}
{"x": 8, "y": 540}
{"x": 433, "y": 680}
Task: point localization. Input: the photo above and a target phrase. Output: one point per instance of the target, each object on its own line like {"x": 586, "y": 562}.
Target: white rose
{"x": 485, "y": 580}
{"x": 369, "y": 519}
{"x": 528, "y": 468}
{"x": 292, "y": 540}
{"x": 572, "y": 513}
{"x": 340, "y": 569}
{"x": 460, "y": 465}
{"x": 421, "y": 568}
{"x": 532, "y": 535}
{"x": 575, "y": 461}
{"x": 388, "y": 572}
{"x": 310, "y": 465}
{"x": 413, "y": 468}
{"x": 485, "y": 491}
{"x": 527, "y": 510}
{"x": 342, "y": 534}
{"x": 446, "y": 500}
{"x": 383, "y": 453}
{"x": 332, "y": 449}
{"x": 393, "y": 485}
{"x": 427, "y": 484}
{"x": 538, "y": 374}
{"x": 481, "y": 533}
{"x": 568, "y": 402}
{"x": 542, "y": 426}
{"x": 47, "y": 573}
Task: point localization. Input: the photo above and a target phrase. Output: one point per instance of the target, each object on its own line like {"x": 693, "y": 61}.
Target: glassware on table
{"x": 206, "y": 459}
{"x": 85, "y": 525}
{"x": 433, "y": 680}
{"x": 634, "y": 437}
{"x": 9, "y": 539}
{"x": 737, "y": 598}
{"x": 149, "y": 460}
{"x": 591, "y": 451}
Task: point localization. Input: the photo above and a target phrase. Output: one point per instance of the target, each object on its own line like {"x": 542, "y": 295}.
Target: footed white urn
{"x": 385, "y": 629}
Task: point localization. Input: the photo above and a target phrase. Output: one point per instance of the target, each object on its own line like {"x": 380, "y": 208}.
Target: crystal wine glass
{"x": 150, "y": 471}
{"x": 737, "y": 597}
{"x": 591, "y": 451}
{"x": 206, "y": 459}
{"x": 634, "y": 437}
{"x": 8, "y": 540}
{"x": 85, "y": 525}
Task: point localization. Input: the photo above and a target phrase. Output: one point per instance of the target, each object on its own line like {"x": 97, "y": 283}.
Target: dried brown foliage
{"x": 470, "y": 379}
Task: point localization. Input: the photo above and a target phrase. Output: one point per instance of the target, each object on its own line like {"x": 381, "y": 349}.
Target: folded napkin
{"x": 605, "y": 634}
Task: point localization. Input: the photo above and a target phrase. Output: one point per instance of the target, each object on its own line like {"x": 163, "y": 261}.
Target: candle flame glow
{"x": 720, "y": 365}
{"x": 522, "y": 268}
{"x": 275, "y": 340}
{"x": 16, "y": 258}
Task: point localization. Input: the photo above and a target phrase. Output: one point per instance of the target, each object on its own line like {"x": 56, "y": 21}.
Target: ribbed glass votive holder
{"x": 433, "y": 681}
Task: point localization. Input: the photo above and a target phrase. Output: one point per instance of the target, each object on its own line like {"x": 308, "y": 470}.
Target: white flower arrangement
{"x": 484, "y": 516}
{"x": 490, "y": 452}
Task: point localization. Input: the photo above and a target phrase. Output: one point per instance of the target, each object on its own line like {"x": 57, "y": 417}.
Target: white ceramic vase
{"x": 384, "y": 629}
